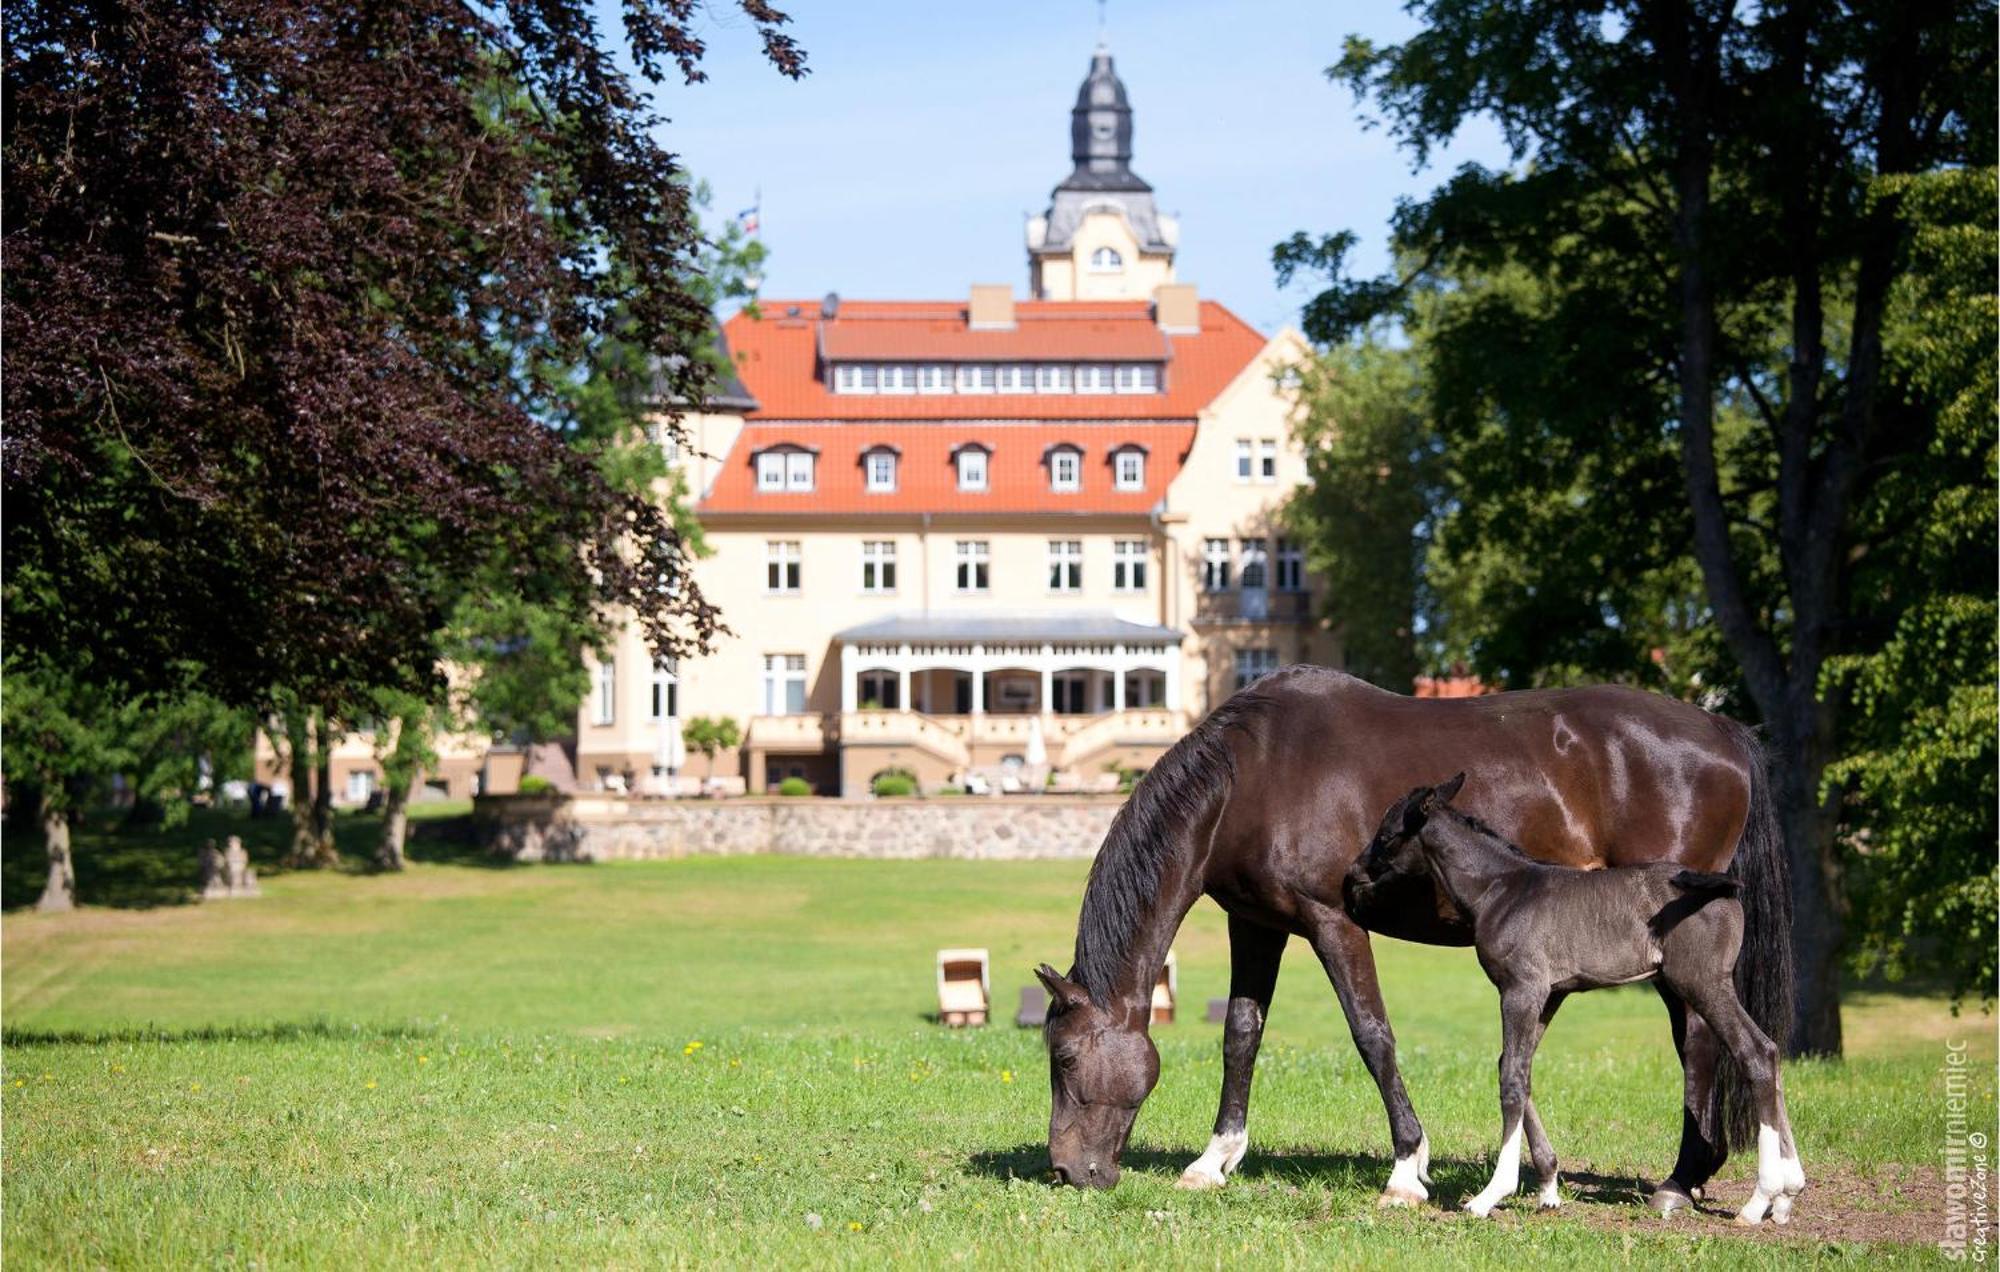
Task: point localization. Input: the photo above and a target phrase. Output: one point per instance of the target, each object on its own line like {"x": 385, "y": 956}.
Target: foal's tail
{"x": 1764, "y": 967}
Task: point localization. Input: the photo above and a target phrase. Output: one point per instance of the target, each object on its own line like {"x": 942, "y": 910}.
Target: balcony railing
{"x": 808, "y": 732}
{"x": 1253, "y": 605}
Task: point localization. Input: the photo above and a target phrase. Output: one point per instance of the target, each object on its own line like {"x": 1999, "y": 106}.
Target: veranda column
{"x": 979, "y": 680}
{"x": 903, "y": 684}
{"x": 1118, "y": 679}
{"x": 1048, "y": 680}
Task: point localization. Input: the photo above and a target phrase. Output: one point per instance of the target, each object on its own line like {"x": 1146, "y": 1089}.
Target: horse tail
{"x": 1764, "y": 965}
{"x": 1720, "y": 885}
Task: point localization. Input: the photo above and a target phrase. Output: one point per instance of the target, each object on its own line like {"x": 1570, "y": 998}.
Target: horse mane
{"x": 1168, "y": 806}
{"x": 1498, "y": 838}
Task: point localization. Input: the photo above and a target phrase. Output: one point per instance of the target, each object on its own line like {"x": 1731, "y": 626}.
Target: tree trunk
{"x": 395, "y": 823}
{"x": 298, "y": 736}
{"x": 60, "y": 892}
{"x": 324, "y": 852}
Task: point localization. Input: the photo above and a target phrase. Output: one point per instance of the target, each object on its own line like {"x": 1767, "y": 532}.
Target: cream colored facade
{"x": 1104, "y": 261}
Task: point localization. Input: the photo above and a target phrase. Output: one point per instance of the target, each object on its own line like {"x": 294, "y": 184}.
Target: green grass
{"x": 499, "y": 1067}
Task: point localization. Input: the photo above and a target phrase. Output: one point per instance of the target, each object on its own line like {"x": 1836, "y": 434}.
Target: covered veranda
{"x": 969, "y": 664}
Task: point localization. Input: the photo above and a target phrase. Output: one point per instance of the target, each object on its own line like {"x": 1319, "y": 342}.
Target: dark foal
{"x": 1544, "y": 932}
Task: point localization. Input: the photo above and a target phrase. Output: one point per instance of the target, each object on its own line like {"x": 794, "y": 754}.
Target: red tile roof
{"x": 1017, "y": 480}
{"x": 778, "y": 358}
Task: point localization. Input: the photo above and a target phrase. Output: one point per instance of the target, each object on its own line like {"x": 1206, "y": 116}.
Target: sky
{"x": 905, "y": 164}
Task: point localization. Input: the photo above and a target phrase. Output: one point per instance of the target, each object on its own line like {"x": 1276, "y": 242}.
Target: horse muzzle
{"x": 1086, "y": 1174}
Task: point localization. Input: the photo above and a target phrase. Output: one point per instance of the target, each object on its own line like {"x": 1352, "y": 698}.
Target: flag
{"x": 747, "y": 221}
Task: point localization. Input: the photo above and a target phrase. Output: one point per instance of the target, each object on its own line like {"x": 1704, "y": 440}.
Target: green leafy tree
{"x": 406, "y": 732}
{"x": 710, "y": 736}
{"x": 1709, "y": 205}
{"x": 62, "y": 737}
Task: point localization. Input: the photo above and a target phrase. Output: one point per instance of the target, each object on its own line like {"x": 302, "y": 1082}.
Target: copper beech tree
{"x": 299, "y": 297}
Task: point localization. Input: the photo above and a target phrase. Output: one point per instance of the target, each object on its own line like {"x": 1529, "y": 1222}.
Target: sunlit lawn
{"x": 729, "y": 1061}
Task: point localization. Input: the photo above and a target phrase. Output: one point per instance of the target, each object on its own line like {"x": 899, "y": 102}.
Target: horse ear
{"x": 1449, "y": 790}
{"x": 1417, "y": 809}
{"x": 1063, "y": 992}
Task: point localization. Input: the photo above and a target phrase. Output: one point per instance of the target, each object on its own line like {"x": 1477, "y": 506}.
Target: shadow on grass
{"x": 1452, "y": 1181}
{"x": 296, "y": 1031}
{"x": 140, "y": 867}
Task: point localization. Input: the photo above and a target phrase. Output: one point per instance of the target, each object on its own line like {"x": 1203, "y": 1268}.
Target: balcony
{"x": 1252, "y": 605}
{"x": 794, "y": 734}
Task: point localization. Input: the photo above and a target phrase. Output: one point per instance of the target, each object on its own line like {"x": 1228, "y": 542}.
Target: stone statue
{"x": 214, "y": 881}
{"x": 227, "y": 873}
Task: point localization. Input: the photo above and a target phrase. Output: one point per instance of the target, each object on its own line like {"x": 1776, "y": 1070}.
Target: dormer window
{"x": 1093, "y": 378}
{"x": 1106, "y": 259}
{"x": 879, "y": 464}
{"x": 854, "y": 377}
{"x": 1065, "y": 468}
{"x": 897, "y": 379}
{"x": 783, "y": 470}
{"x": 971, "y": 461}
{"x": 976, "y": 377}
{"x": 1128, "y": 468}
{"x": 934, "y": 378}
{"x": 1016, "y": 377}
{"x": 1138, "y": 377}
{"x": 1052, "y": 377}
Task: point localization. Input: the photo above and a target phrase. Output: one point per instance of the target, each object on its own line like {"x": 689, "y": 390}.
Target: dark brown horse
{"x": 1268, "y": 803}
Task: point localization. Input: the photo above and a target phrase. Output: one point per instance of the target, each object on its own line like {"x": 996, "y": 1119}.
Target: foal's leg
{"x": 1539, "y": 1148}
{"x": 1520, "y": 1024}
{"x": 1704, "y": 1141}
{"x": 1780, "y": 1178}
{"x": 1254, "y": 953}
{"x": 1342, "y": 946}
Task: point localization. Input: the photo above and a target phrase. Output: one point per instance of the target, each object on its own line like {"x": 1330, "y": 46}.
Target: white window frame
{"x": 604, "y": 698}
{"x": 360, "y": 785}
{"x": 1291, "y": 576}
{"x": 897, "y": 377}
{"x": 1015, "y": 377}
{"x": 934, "y": 377}
{"x": 781, "y": 673}
{"x": 976, "y": 377}
{"x": 664, "y": 702}
{"x": 799, "y": 475}
{"x": 1054, "y": 377}
{"x": 1246, "y": 463}
{"x": 974, "y": 559}
{"x": 771, "y": 472}
{"x": 1128, "y": 468}
{"x": 1128, "y": 565}
{"x": 1255, "y": 574}
{"x": 784, "y": 567}
{"x": 879, "y": 465}
{"x": 878, "y": 566}
{"x": 1215, "y": 565}
{"x": 1137, "y": 377}
{"x": 1106, "y": 260}
{"x": 972, "y": 468}
{"x": 1066, "y": 565}
{"x": 1253, "y": 665}
{"x": 1094, "y": 377}
{"x": 1066, "y": 469}
{"x": 855, "y": 377}
{"x": 1267, "y": 461}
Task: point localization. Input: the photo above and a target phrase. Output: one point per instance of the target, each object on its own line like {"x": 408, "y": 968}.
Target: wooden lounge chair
{"x": 962, "y": 987}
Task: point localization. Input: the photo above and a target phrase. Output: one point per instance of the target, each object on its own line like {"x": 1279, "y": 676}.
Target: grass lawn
{"x": 728, "y": 1061}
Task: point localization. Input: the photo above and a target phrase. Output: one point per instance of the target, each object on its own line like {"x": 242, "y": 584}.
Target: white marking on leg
{"x": 1551, "y": 1192}
{"x": 1424, "y": 1158}
{"x": 1771, "y": 1175}
{"x": 1406, "y": 1181}
{"x": 1224, "y": 1153}
{"x": 1506, "y": 1176}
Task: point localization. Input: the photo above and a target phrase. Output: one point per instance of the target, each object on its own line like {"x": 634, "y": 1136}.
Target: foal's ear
{"x": 1063, "y": 992}
{"x": 1446, "y": 792}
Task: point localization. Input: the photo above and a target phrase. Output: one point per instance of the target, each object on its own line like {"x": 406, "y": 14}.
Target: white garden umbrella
{"x": 1038, "y": 748}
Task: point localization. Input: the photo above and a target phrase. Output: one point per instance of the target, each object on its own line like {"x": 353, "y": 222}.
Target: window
{"x": 972, "y": 469}
{"x": 878, "y": 565}
{"x": 665, "y": 703}
{"x": 1071, "y": 690}
{"x": 973, "y": 558}
{"x": 771, "y": 470}
{"x": 1052, "y": 378}
{"x": 1254, "y": 664}
{"x": 1145, "y": 689}
{"x": 1215, "y": 565}
{"x": 1128, "y": 565}
{"x": 1267, "y": 460}
{"x": 976, "y": 377}
{"x": 784, "y": 684}
{"x": 934, "y": 379}
{"x": 1256, "y": 565}
{"x": 1093, "y": 378}
{"x": 1016, "y": 377}
{"x": 880, "y": 466}
{"x": 604, "y": 702}
{"x": 1243, "y": 459}
{"x": 780, "y": 470}
{"x": 1129, "y": 468}
{"x": 1065, "y": 469}
{"x": 360, "y": 785}
{"x": 667, "y": 439}
{"x": 899, "y": 379}
{"x": 883, "y": 689}
{"x": 781, "y": 565}
{"x": 854, "y": 377}
{"x": 1065, "y": 565}
{"x": 1291, "y": 566}
{"x": 1138, "y": 377}
{"x": 1106, "y": 258}
{"x": 798, "y": 470}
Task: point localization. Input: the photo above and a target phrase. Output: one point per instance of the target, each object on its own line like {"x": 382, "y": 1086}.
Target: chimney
{"x": 992, "y": 307}
{"x": 1176, "y": 309}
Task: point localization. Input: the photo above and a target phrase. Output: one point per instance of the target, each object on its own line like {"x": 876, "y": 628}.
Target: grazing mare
{"x": 1266, "y": 803}
{"x": 1545, "y": 932}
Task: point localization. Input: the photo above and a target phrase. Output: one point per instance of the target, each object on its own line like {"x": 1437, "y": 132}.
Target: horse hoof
{"x": 1551, "y": 1197}
{"x": 1781, "y": 1209}
{"x": 1196, "y": 1179}
{"x": 1478, "y": 1208}
{"x": 1669, "y": 1197}
{"x": 1402, "y": 1197}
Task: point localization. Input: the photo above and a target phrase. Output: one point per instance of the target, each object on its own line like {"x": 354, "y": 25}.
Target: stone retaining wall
{"x": 609, "y": 827}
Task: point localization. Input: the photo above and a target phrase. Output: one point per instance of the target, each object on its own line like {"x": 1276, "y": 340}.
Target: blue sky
{"x": 903, "y": 166}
